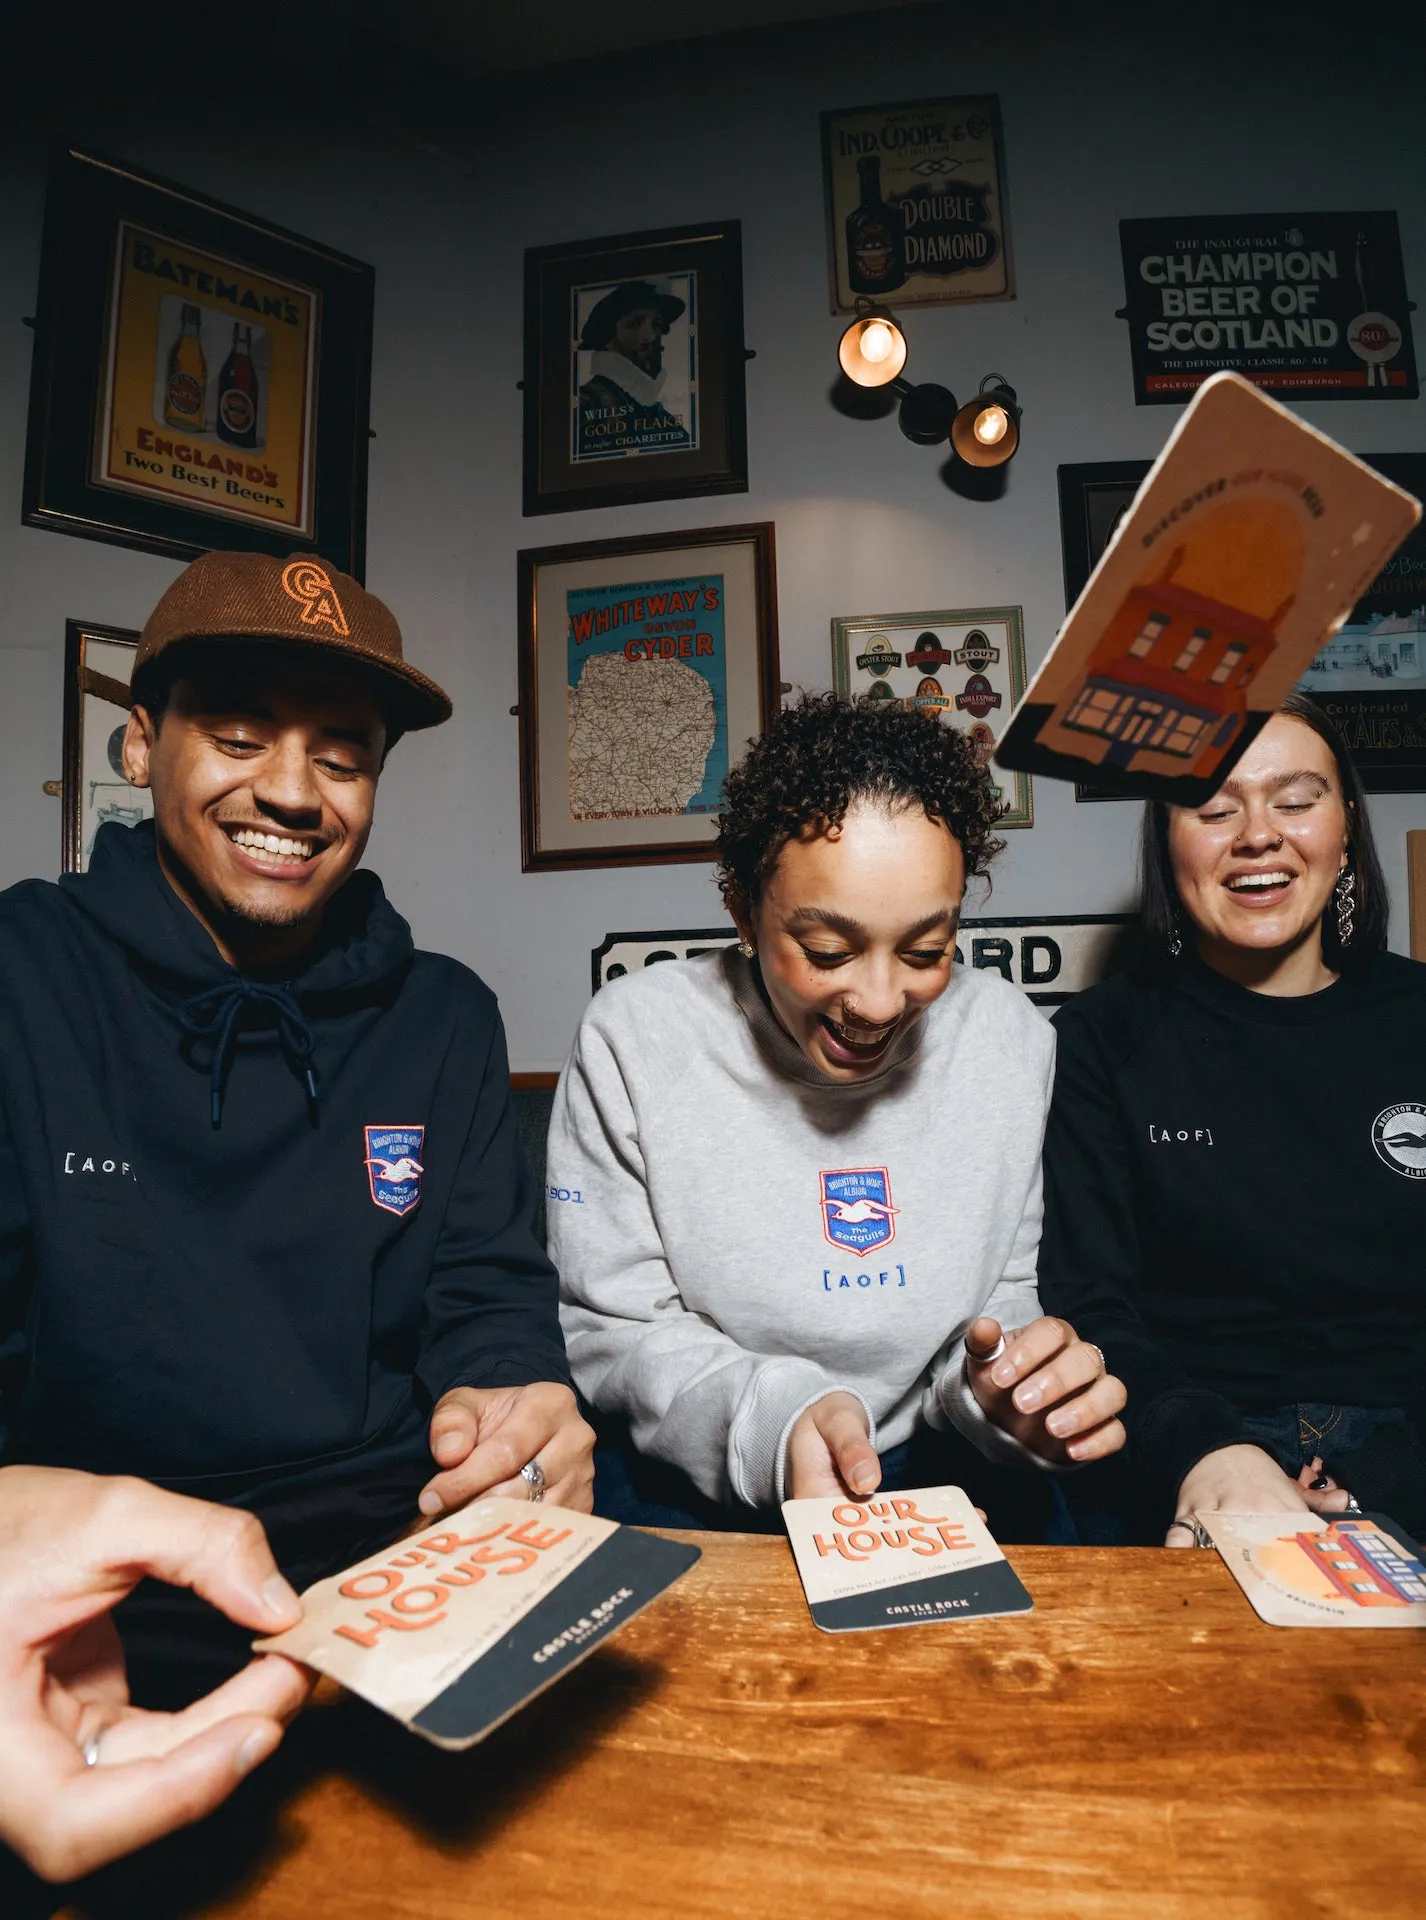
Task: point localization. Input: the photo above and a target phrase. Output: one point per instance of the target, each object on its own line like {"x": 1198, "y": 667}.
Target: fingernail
{"x": 255, "y": 1749}
{"x": 1004, "y": 1374}
{"x": 278, "y": 1596}
{"x": 1320, "y": 1483}
{"x": 1028, "y": 1397}
{"x": 1061, "y": 1423}
{"x": 429, "y": 1502}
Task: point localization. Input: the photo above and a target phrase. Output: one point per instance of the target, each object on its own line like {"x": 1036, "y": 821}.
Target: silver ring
{"x": 1187, "y": 1526}
{"x": 533, "y": 1474}
{"x": 988, "y": 1359}
{"x": 1103, "y": 1363}
{"x": 90, "y": 1750}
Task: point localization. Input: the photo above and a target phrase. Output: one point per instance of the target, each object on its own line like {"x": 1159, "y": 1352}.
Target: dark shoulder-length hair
{"x": 1163, "y": 912}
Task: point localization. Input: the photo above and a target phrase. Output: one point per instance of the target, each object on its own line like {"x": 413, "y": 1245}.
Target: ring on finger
{"x": 1103, "y": 1364}
{"x": 533, "y": 1474}
{"x": 988, "y": 1359}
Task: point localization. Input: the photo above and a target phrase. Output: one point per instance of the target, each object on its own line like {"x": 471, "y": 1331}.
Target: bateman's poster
{"x": 208, "y": 387}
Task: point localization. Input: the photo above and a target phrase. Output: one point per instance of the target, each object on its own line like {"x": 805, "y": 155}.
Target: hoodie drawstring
{"x": 213, "y": 1015}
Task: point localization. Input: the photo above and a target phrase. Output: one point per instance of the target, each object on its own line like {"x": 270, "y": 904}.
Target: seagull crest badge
{"x": 393, "y": 1167}
{"x": 857, "y": 1213}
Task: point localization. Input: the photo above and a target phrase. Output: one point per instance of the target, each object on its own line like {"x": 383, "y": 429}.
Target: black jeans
{"x": 1111, "y": 1508}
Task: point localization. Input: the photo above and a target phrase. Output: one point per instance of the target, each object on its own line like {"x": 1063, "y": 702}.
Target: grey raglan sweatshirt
{"x": 737, "y": 1234}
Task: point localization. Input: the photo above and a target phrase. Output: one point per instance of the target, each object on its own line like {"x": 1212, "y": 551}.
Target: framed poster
{"x": 97, "y": 665}
{"x": 634, "y": 369}
{"x": 1050, "y": 960}
{"x": 1371, "y": 678}
{"x": 916, "y": 203}
{"x": 645, "y": 664}
{"x": 1308, "y": 306}
{"x": 963, "y": 666}
{"x": 201, "y": 378}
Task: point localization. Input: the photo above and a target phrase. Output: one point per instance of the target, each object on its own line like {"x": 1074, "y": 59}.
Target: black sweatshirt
{"x": 1235, "y": 1209}
{"x": 265, "y": 1310}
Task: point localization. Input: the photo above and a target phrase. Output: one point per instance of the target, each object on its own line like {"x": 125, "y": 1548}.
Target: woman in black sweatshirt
{"x": 1235, "y": 1167}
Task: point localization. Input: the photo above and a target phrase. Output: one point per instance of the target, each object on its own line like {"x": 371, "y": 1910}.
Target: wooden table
{"x": 1138, "y": 1746}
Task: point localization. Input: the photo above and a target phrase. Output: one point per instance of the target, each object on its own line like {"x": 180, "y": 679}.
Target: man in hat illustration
{"x": 620, "y": 409}
{"x": 265, "y": 1229}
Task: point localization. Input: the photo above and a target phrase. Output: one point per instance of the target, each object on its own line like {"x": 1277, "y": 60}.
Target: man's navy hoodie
{"x": 226, "y": 1309}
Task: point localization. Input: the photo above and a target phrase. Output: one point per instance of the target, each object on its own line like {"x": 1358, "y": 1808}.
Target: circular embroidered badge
{"x": 1399, "y": 1136}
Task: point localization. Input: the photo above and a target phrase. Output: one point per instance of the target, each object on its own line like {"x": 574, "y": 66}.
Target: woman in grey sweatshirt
{"x": 786, "y": 1180}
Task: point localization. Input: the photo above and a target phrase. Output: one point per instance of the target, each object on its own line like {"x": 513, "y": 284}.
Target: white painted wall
{"x": 1221, "y": 110}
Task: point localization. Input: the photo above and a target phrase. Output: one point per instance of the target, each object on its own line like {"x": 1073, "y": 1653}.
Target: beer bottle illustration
{"x": 186, "y": 388}
{"x": 237, "y": 392}
{"x": 876, "y": 252}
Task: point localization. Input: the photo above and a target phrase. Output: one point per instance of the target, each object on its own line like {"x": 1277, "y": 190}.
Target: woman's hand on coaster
{"x": 481, "y": 1438}
{"x": 1047, "y": 1388}
{"x": 84, "y": 1776}
{"x": 1237, "y": 1479}
{"x": 829, "y": 1451}
{"x": 1321, "y": 1492}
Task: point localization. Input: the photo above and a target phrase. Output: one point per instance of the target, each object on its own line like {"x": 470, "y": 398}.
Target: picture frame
{"x": 1384, "y": 725}
{"x": 97, "y": 663}
{"x": 934, "y": 229}
{"x": 634, "y": 382}
{"x": 622, "y": 770}
{"x": 985, "y": 645}
{"x": 201, "y": 377}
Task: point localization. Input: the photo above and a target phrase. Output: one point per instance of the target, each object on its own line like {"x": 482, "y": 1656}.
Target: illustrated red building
{"x": 1169, "y": 673}
{"x": 1365, "y": 1565}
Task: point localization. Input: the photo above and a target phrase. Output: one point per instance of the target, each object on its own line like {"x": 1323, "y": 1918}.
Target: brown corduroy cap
{"x": 301, "y": 602}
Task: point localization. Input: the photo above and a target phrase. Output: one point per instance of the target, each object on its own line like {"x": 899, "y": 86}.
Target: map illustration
{"x": 647, "y": 698}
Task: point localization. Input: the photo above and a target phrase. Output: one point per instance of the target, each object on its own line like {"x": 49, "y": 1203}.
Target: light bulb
{"x": 990, "y": 425}
{"x": 877, "y": 341}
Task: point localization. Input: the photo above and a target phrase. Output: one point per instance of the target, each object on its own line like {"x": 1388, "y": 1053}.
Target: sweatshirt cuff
{"x": 782, "y": 1391}
{"x": 1173, "y": 1432}
{"x": 956, "y": 1400}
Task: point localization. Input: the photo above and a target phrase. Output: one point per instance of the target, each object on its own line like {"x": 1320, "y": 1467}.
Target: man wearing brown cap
{"x": 264, "y": 1223}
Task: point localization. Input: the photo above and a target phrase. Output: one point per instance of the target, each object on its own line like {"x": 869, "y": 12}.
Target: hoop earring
{"x": 1345, "y": 896}
{"x": 747, "y": 949}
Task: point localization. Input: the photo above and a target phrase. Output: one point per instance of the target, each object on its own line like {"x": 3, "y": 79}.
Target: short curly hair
{"x": 823, "y": 754}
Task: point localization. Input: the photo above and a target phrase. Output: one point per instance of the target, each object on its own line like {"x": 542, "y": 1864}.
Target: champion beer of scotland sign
{"x": 1305, "y": 305}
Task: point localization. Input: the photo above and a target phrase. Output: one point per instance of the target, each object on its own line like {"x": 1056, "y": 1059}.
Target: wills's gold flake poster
{"x": 208, "y": 389}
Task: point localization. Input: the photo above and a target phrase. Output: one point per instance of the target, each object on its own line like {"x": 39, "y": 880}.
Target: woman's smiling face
{"x": 855, "y": 933}
{"x": 1255, "y": 865}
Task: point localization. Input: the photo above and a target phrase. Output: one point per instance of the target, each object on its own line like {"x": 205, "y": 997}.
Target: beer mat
{"x": 1323, "y": 1570}
{"x": 1248, "y": 544}
{"x": 451, "y": 1631}
{"x": 899, "y": 1560}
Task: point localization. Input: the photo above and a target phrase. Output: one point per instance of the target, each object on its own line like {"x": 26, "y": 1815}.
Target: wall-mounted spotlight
{"x": 985, "y": 432}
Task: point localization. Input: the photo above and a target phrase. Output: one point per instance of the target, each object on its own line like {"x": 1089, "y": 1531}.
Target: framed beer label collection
{"x": 201, "y": 379}
{"x": 916, "y": 203}
{"x": 966, "y": 666}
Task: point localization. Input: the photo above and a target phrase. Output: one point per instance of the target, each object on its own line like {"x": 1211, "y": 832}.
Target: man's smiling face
{"x": 263, "y": 766}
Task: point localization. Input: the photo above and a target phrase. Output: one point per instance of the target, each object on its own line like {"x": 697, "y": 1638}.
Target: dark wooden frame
{"x": 80, "y": 680}
{"x": 758, "y": 534}
{"x": 88, "y": 196}
{"x": 721, "y": 465}
{"x": 1114, "y": 482}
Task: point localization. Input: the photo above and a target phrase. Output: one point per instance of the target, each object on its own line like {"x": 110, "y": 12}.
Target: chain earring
{"x": 1345, "y": 896}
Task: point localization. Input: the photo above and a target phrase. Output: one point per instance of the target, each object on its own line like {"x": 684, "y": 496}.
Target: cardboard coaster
{"x": 899, "y": 1560}
{"x": 452, "y": 1631}
{"x": 1249, "y": 542}
{"x": 1313, "y": 1570}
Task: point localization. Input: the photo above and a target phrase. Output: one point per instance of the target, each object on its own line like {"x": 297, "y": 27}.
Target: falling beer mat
{"x": 899, "y": 1560}
{"x": 1310, "y": 1570}
{"x": 451, "y": 1631}
{"x": 1248, "y": 544}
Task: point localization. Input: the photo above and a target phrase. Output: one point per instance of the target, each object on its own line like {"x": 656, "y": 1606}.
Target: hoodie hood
{"x": 365, "y": 947}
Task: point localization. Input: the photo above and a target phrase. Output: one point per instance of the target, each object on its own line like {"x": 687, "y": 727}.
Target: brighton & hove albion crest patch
{"x": 856, "y": 1209}
{"x": 393, "y": 1166}
{"x": 1399, "y": 1136}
